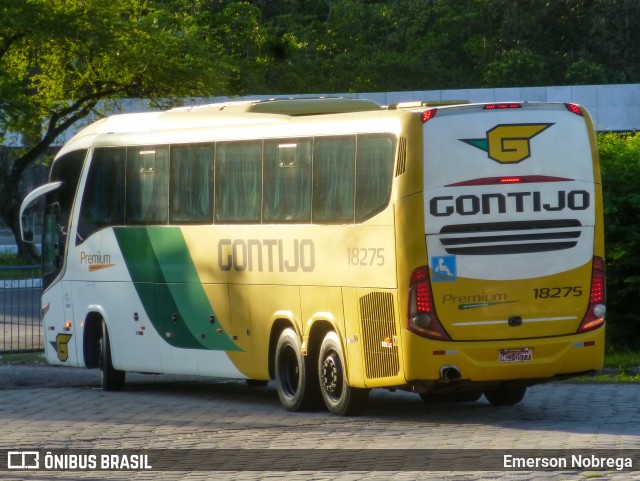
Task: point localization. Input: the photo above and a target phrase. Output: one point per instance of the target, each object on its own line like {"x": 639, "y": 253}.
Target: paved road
{"x": 48, "y": 408}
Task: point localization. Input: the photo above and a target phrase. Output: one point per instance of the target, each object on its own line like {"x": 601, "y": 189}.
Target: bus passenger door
{"x": 56, "y": 304}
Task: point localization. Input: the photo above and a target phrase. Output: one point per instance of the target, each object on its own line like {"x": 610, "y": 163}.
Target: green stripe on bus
{"x": 177, "y": 303}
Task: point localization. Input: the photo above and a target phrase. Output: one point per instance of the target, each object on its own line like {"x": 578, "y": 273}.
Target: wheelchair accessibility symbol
{"x": 443, "y": 269}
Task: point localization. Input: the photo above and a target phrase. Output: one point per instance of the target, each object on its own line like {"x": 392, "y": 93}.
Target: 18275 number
{"x": 557, "y": 292}
{"x": 370, "y": 256}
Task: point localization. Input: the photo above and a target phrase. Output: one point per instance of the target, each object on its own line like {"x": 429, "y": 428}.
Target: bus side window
{"x": 334, "y": 179}
{"x": 52, "y": 239}
{"x": 191, "y": 184}
{"x": 238, "y": 181}
{"x": 103, "y": 199}
{"x": 374, "y": 173}
{"x": 287, "y": 180}
{"x": 147, "y": 185}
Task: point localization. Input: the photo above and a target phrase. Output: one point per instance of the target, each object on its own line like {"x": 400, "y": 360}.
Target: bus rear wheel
{"x": 111, "y": 378}
{"x": 338, "y": 396}
{"x": 507, "y": 396}
{"x": 296, "y": 380}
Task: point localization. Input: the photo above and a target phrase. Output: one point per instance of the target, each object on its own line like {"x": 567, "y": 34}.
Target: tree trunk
{"x": 10, "y": 201}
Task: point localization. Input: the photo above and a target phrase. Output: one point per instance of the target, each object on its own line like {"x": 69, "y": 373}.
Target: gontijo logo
{"x": 508, "y": 144}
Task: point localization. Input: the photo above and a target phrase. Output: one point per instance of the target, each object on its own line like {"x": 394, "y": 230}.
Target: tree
{"x": 620, "y": 163}
{"x": 63, "y": 62}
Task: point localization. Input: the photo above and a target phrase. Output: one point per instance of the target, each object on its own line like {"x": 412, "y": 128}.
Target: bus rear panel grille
{"x": 379, "y": 335}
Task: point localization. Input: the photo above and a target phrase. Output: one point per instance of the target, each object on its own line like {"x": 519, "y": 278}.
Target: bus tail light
{"x": 594, "y": 317}
{"x": 421, "y": 315}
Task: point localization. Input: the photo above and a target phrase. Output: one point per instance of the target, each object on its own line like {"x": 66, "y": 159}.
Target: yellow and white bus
{"x": 331, "y": 245}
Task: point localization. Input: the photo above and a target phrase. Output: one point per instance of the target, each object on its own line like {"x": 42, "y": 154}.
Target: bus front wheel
{"x": 111, "y": 378}
{"x": 296, "y": 380}
{"x": 338, "y": 396}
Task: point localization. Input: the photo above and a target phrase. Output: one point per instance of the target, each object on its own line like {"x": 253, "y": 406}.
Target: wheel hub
{"x": 330, "y": 374}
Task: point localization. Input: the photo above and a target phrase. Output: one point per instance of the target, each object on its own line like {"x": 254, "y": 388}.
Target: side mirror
{"x": 29, "y": 208}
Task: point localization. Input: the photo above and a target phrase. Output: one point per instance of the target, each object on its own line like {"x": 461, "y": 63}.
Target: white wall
{"x": 613, "y": 107}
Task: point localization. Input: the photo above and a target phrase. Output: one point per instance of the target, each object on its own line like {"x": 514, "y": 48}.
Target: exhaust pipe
{"x": 450, "y": 373}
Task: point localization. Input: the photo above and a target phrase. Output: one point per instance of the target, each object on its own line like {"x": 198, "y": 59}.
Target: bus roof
{"x": 290, "y": 106}
{"x": 255, "y": 113}
{"x": 224, "y": 114}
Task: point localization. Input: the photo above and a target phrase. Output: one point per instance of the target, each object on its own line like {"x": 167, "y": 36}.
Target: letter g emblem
{"x": 508, "y": 143}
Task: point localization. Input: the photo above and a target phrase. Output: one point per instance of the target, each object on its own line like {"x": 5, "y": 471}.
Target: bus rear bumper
{"x": 451, "y": 365}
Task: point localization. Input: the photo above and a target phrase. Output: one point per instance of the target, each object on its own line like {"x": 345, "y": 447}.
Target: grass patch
{"x": 606, "y": 377}
{"x": 623, "y": 359}
{"x": 11, "y": 268}
{"x": 619, "y": 366}
{"x": 23, "y": 358}
{"x": 8, "y": 260}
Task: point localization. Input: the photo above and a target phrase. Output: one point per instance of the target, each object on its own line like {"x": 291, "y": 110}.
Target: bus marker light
{"x": 502, "y": 106}
{"x": 574, "y": 109}
{"x": 510, "y": 180}
{"x": 67, "y": 326}
{"x": 584, "y": 344}
{"x": 449, "y": 352}
{"x": 428, "y": 115}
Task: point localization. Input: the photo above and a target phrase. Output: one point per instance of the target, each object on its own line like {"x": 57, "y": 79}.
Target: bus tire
{"x": 111, "y": 379}
{"x": 296, "y": 380}
{"x": 507, "y": 396}
{"x": 338, "y": 396}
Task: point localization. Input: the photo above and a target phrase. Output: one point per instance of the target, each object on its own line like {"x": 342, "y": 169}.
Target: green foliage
{"x": 10, "y": 260}
{"x": 63, "y": 62}
{"x": 622, "y": 359}
{"x": 366, "y": 45}
{"x": 620, "y": 164}
{"x": 519, "y": 66}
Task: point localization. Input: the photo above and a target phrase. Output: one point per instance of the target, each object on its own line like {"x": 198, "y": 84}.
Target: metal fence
{"x": 20, "y": 324}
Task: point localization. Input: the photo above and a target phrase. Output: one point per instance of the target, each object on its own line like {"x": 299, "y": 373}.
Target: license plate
{"x": 516, "y": 355}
